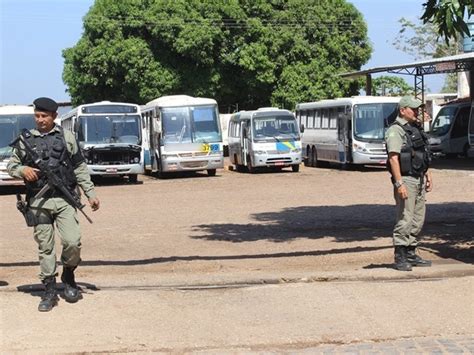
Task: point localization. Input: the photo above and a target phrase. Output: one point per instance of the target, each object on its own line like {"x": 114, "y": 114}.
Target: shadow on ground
{"x": 447, "y": 232}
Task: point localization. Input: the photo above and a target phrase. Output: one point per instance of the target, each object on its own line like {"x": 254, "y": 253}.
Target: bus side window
{"x": 310, "y": 119}
{"x": 325, "y": 118}
{"x": 317, "y": 118}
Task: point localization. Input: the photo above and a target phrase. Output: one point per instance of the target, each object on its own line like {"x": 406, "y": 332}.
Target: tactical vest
{"x": 52, "y": 148}
{"x": 415, "y": 155}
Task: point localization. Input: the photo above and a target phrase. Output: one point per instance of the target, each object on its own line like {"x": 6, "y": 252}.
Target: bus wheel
{"x": 250, "y": 166}
{"x": 314, "y": 158}
{"x": 307, "y": 159}
{"x": 133, "y": 178}
{"x": 211, "y": 172}
{"x": 295, "y": 168}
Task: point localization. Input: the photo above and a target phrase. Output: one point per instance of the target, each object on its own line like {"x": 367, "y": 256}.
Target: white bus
{"x": 471, "y": 131}
{"x": 110, "y": 137}
{"x": 266, "y": 137}
{"x": 183, "y": 133}
{"x": 13, "y": 118}
{"x": 346, "y": 130}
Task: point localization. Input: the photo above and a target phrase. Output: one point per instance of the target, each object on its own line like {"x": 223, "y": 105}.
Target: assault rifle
{"x": 54, "y": 183}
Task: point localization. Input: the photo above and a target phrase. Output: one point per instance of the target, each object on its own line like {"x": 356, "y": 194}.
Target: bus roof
{"x": 354, "y": 100}
{"x": 262, "y": 112}
{"x": 80, "y": 108}
{"x": 16, "y": 110}
{"x": 180, "y": 100}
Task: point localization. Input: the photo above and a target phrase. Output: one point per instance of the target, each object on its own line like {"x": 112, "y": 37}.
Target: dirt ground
{"x": 193, "y": 230}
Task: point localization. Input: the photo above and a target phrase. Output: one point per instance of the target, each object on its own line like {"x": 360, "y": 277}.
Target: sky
{"x": 33, "y": 34}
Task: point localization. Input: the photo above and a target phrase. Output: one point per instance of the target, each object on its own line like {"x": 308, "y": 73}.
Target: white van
{"x": 449, "y": 130}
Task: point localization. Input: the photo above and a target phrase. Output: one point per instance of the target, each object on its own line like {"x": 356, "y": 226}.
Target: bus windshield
{"x": 190, "y": 124}
{"x": 274, "y": 128}
{"x": 10, "y": 127}
{"x": 97, "y": 129}
{"x": 372, "y": 120}
{"x": 443, "y": 121}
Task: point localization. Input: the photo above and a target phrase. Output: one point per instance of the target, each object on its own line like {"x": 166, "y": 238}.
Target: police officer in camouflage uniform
{"x": 408, "y": 163}
{"x": 59, "y": 147}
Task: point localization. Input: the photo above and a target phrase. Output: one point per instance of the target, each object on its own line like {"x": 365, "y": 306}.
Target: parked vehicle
{"x": 110, "y": 137}
{"x": 471, "y": 131}
{"x": 183, "y": 133}
{"x": 267, "y": 137}
{"x": 13, "y": 118}
{"x": 449, "y": 130}
{"x": 346, "y": 130}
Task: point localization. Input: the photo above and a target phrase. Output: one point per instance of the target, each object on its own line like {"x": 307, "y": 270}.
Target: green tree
{"x": 250, "y": 52}
{"x": 422, "y": 41}
{"x": 390, "y": 86}
{"x": 448, "y": 17}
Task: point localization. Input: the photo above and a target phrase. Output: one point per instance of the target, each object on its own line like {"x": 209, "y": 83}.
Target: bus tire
{"x": 314, "y": 158}
{"x": 307, "y": 159}
{"x": 133, "y": 178}
{"x": 250, "y": 167}
{"x": 211, "y": 172}
{"x": 295, "y": 168}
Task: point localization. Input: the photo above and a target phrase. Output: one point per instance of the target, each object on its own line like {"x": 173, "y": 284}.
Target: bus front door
{"x": 245, "y": 136}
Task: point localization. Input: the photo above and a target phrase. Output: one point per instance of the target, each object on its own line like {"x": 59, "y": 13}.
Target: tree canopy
{"x": 247, "y": 52}
{"x": 421, "y": 40}
{"x": 386, "y": 85}
{"x": 448, "y": 17}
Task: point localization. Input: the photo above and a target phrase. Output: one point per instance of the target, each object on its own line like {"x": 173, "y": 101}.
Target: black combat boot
{"x": 401, "y": 262}
{"x": 49, "y": 298}
{"x": 71, "y": 291}
{"x": 414, "y": 259}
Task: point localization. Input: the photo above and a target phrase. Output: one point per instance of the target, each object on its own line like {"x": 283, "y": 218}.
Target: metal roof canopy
{"x": 443, "y": 65}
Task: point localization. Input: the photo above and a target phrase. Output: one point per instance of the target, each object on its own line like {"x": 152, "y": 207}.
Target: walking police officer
{"x": 60, "y": 150}
{"x": 408, "y": 163}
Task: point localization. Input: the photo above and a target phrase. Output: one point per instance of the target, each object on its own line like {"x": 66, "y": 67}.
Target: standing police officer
{"x": 408, "y": 163}
{"x": 60, "y": 149}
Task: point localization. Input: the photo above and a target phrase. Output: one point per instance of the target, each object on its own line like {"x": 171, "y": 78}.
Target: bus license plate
{"x": 111, "y": 170}
{"x": 279, "y": 163}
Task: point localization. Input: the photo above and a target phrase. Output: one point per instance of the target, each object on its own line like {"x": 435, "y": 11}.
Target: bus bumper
{"x": 277, "y": 160}
{"x": 128, "y": 169}
{"x": 362, "y": 158}
{"x": 171, "y": 162}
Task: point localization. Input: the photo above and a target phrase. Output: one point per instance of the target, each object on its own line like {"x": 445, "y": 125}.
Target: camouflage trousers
{"x": 410, "y": 213}
{"x": 66, "y": 222}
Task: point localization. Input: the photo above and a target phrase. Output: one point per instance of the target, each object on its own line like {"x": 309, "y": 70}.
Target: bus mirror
{"x": 302, "y": 128}
{"x": 76, "y": 126}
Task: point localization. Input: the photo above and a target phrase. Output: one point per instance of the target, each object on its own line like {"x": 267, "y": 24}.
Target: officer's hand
{"x": 95, "y": 203}
{"x": 429, "y": 183}
{"x": 402, "y": 192}
{"x": 30, "y": 174}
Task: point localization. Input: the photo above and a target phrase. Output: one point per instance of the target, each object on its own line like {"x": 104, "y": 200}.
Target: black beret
{"x": 45, "y": 104}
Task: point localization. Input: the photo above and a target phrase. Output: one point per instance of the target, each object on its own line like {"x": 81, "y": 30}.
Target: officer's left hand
{"x": 429, "y": 183}
{"x": 94, "y": 203}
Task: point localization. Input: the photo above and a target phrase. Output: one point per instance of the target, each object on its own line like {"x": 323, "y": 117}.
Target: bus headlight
{"x": 297, "y": 150}
{"x": 169, "y": 156}
{"x": 360, "y": 148}
{"x": 259, "y": 152}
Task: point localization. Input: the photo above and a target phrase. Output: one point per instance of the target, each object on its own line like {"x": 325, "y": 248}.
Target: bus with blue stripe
{"x": 182, "y": 133}
{"x": 266, "y": 137}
